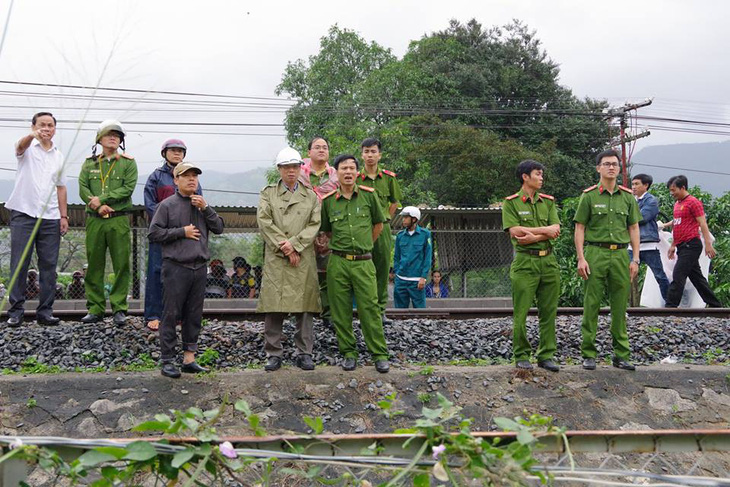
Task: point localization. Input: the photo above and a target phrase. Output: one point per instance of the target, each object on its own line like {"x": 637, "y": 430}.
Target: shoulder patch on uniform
{"x": 389, "y": 173}
{"x": 329, "y": 194}
{"x": 512, "y": 196}
{"x": 362, "y": 176}
{"x": 591, "y": 188}
{"x": 550, "y": 197}
{"x": 127, "y": 156}
{"x": 367, "y": 188}
{"x": 624, "y": 188}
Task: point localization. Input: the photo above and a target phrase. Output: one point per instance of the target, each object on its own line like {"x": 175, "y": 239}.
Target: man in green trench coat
{"x": 289, "y": 218}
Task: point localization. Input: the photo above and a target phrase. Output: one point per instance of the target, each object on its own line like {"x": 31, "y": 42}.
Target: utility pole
{"x": 621, "y": 114}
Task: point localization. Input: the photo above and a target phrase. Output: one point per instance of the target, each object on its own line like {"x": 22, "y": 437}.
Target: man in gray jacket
{"x": 181, "y": 224}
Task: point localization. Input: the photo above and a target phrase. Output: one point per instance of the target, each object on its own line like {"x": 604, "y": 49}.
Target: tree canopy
{"x": 455, "y": 114}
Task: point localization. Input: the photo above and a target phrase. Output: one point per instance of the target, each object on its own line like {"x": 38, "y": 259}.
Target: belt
{"x": 610, "y": 246}
{"x": 538, "y": 253}
{"x": 347, "y": 256}
{"x": 109, "y": 215}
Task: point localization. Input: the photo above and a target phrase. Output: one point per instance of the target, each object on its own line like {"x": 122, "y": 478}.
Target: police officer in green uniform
{"x": 532, "y": 221}
{"x": 353, "y": 219}
{"x": 106, "y": 184}
{"x": 606, "y": 220}
{"x": 388, "y": 191}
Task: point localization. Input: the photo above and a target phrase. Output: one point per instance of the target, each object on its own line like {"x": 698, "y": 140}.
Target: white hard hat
{"x": 108, "y": 126}
{"x": 411, "y": 211}
{"x": 286, "y": 156}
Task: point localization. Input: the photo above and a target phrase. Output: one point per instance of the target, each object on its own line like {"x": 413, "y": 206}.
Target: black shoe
{"x": 274, "y": 363}
{"x": 305, "y": 362}
{"x": 49, "y": 321}
{"x": 523, "y": 364}
{"x": 548, "y": 365}
{"x": 120, "y": 319}
{"x": 623, "y": 364}
{"x": 349, "y": 364}
{"x": 193, "y": 368}
{"x": 326, "y": 323}
{"x": 589, "y": 363}
{"x": 382, "y": 366}
{"x": 15, "y": 321}
{"x": 386, "y": 321}
{"x": 91, "y": 318}
{"x": 169, "y": 370}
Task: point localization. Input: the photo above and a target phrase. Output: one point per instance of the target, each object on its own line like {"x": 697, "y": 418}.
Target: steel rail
{"x": 250, "y": 314}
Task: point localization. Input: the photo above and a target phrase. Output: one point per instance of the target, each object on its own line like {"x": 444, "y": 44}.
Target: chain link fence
{"x": 471, "y": 263}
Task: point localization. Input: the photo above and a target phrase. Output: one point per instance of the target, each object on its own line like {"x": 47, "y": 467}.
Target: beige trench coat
{"x": 283, "y": 215}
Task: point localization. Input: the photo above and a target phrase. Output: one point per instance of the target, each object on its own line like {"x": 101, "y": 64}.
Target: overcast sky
{"x": 674, "y": 51}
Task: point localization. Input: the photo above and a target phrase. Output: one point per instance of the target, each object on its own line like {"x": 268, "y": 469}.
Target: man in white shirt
{"x": 39, "y": 193}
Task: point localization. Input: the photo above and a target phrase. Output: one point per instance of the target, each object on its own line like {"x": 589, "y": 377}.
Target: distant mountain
{"x": 665, "y": 161}
{"x": 247, "y": 182}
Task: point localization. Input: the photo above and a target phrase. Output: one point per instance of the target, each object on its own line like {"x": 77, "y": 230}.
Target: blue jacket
{"x": 649, "y": 208}
{"x": 412, "y": 253}
{"x": 160, "y": 185}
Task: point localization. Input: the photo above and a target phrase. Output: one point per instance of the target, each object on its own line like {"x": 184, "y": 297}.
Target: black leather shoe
{"x": 120, "y": 319}
{"x": 193, "y": 368}
{"x": 274, "y": 363}
{"x": 169, "y": 370}
{"x": 91, "y": 318}
{"x": 523, "y": 364}
{"x": 382, "y": 366}
{"x": 49, "y": 321}
{"x": 15, "y": 321}
{"x": 623, "y": 364}
{"x": 589, "y": 363}
{"x": 305, "y": 362}
{"x": 549, "y": 365}
{"x": 386, "y": 321}
{"x": 349, "y": 364}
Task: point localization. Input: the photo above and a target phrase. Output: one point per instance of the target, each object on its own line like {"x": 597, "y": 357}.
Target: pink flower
{"x": 437, "y": 451}
{"x": 227, "y": 450}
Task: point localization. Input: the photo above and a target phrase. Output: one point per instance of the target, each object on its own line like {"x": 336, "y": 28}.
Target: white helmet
{"x": 108, "y": 126}
{"x": 411, "y": 211}
{"x": 286, "y": 156}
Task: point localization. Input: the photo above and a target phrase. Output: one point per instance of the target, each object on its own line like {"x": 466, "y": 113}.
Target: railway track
{"x": 467, "y": 313}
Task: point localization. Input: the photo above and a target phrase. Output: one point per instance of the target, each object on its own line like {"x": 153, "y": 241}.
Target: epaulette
{"x": 362, "y": 176}
{"x": 550, "y": 197}
{"x": 624, "y": 188}
{"x": 329, "y": 194}
{"x": 367, "y": 188}
{"x": 126, "y": 156}
{"x": 512, "y": 197}
{"x": 591, "y": 188}
{"x": 389, "y": 173}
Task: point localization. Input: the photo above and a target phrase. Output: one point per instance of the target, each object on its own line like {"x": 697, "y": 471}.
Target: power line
{"x": 680, "y": 168}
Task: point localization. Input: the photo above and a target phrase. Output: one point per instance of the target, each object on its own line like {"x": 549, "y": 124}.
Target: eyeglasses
{"x": 610, "y": 164}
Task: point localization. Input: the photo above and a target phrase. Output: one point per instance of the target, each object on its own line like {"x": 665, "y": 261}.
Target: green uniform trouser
{"x": 114, "y": 234}
{"x": 345, "y": 277}
{"x": 382, "y": 254}
{"x": 322, "y": 261}
{"x": 612, "y": 267}
{"x": 533, "y": 276}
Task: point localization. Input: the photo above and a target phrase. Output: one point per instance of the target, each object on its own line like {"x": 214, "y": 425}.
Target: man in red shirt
{"x": 689, "y": 219}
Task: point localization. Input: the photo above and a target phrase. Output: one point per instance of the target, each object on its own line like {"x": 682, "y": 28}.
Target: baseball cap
{"x": 185, "y": 167}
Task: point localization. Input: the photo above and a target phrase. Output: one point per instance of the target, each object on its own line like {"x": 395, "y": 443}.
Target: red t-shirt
{"x": 686, "y": 212}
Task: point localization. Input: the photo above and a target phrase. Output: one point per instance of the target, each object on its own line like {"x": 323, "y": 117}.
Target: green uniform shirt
{"x": 316, "y": 180}
{"x": 112, "y": 180}
{"x": 386, "y": 186}
{"x": 519, "y": 210}
{"x": 351, "y": 221}
{"x": 607, "y": 216}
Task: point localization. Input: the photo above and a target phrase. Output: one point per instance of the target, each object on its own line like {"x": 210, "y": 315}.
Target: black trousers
{"x": 182, "y": 300}
{"x": 688, "y": 266}
{"x": 47, "y": 242}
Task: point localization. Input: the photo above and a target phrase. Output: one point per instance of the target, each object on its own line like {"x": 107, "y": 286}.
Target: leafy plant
{"x": 208, "y": 357}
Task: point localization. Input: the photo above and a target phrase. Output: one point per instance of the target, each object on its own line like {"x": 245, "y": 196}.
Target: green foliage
{"x": 386, "y": 406}
{"x": 455, "y": 113}
{"x": 31, "y": 403}
{"x": 208, "y": 357}
{"x": 424, "y": 397}
{"x": 31, "y": 366}
{"x": 426, "y": 370}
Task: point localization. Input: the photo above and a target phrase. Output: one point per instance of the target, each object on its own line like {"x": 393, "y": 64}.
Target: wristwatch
{"x": 636, "y": 261}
